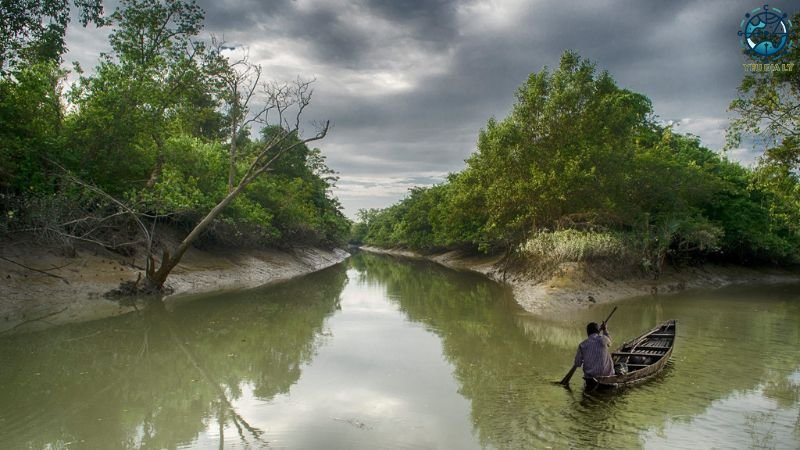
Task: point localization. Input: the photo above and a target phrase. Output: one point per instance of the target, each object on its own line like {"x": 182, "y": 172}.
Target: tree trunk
{"x": 155, "y": 278}
{"x": 159, "y": 165}
{"x": 232, "y": 162}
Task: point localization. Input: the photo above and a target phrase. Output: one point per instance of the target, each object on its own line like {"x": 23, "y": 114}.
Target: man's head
{"x": 592, "y": 328}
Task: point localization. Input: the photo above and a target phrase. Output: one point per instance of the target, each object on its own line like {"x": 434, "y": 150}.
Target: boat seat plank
{"x": 636, "y": 354}
{"x": 644, "y": 349}
{"x": 663, "y": 335}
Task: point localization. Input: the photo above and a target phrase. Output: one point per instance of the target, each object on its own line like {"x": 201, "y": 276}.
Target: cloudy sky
{"x": 408, "y": 84}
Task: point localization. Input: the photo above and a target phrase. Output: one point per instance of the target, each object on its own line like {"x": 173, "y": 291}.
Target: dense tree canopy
{"x": 578, "y": 152}
{"x": 767, "y": 118}
{"x": 768, "y": 110}
{"x": 33, "y": 30}
{"x": 150, "y": 126}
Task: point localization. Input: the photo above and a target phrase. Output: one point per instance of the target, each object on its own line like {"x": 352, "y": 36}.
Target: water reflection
{"x": 158, "y": 380}
{"x": 392, "y": 353}
{"x": 765, "y": 417}
{"x": 504, "y": 360}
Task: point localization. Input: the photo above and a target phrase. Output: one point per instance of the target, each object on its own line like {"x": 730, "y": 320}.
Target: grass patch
{"x": 606, "y": 252}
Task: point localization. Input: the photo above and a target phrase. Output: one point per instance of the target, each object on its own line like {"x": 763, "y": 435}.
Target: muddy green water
{"x": 381, "y": 352}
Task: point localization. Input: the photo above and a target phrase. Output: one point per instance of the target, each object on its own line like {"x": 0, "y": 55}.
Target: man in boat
{"x": 593, "y": 353}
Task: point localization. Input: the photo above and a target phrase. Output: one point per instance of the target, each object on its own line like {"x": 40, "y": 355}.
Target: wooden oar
{"x": 565, "y": 381}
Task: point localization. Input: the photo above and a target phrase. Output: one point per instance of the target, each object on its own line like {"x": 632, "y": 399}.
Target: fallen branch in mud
{"x": 44, "y": 272}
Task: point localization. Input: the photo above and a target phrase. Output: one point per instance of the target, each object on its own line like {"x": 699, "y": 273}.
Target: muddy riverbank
{"x": 578, "y": 285}
{"x": 41, "y": 286}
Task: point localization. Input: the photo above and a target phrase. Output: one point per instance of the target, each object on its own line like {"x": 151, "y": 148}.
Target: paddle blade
{"x": 565, "y": 381}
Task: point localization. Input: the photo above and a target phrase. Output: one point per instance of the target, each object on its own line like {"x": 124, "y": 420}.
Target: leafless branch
{"x": 93, "y": 218}
{"x": 103, "y": 194}
{"x": 281, "y": 138}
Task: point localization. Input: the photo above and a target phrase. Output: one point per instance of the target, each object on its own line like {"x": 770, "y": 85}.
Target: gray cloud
{"x": 409, "y": 83}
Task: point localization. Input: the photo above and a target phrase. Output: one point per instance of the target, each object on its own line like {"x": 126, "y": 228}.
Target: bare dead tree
{"x": 286, "y": 103}
{"x": 240, "y": 79}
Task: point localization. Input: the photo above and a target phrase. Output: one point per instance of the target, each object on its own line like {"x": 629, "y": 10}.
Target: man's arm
{"x": 578, "y": 358}
{"x": 606, "y": 337}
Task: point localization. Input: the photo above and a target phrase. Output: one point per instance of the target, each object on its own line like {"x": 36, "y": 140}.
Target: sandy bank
{"x": 72, "y": 288}
{"x": 576, "y": 285}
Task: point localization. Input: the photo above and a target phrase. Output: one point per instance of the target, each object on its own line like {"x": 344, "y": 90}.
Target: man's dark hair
{"x": 592, "y": 328}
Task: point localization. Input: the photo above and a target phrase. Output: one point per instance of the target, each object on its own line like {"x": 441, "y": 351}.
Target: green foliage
{"x": 148, "y": 127}
{"x": 583, "y": 157}
{"x": 768, "y": 114}
{"x": 192, "y": 178}
{"x": 566, "y": 148}
{"x": 768, "y": 109}
{"x": 30, "y": 116}
{"x": 292, "y": 205}
{"x": 32, "y": 31}
{"x": 153, "y": 85}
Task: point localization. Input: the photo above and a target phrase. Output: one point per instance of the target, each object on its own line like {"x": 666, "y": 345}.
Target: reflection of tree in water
{"x": 157, "y": 380}
{"x": 760, "y": 427}
{"x": 783, "y": 390}
{"x": 786, "y": 392}
{"x": 505, "y": 362}
{"x": 494, "y": 362}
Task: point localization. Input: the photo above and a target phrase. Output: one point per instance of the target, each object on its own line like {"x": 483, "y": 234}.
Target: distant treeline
{"x": 162, "y": 124}
{"x": 581, "y": 169}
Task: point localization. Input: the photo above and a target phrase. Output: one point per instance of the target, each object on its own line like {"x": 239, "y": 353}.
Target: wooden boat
{"x": 644, "y": 357}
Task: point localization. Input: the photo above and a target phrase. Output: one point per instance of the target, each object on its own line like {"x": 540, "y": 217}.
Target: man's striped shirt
{"x": 593, "y": 355}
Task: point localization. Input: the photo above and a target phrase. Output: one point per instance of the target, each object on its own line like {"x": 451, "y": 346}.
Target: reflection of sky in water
{"x": 355, "y": 392}
{"x": 402, "y": 354}
{"x": 382, "y": 380}
{"x": 743, "y": 420}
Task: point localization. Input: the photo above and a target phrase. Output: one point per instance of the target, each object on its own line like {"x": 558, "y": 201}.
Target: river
{"x": 382, "y": 352}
